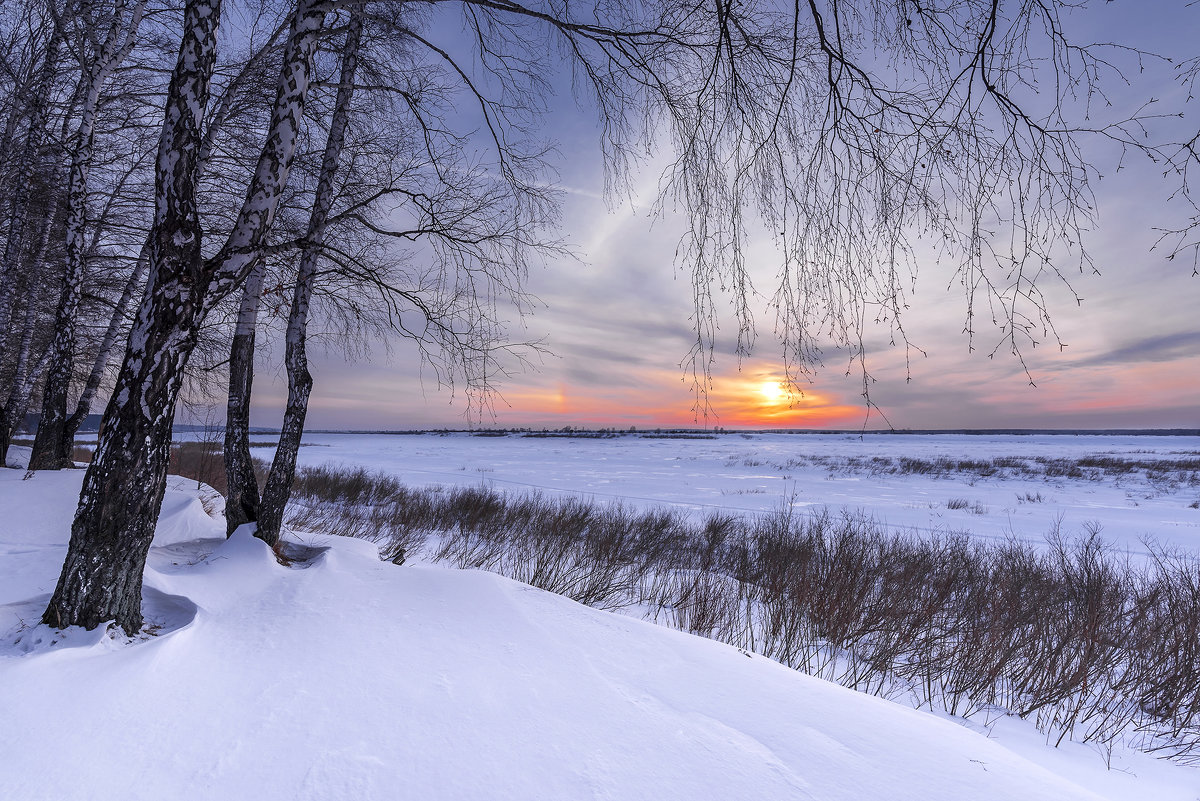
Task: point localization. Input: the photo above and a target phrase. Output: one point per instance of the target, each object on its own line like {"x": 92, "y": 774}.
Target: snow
{"x": 345, "y": 677}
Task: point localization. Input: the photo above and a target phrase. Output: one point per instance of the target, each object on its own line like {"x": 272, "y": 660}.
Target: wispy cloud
{"x": 1161, "y": 348}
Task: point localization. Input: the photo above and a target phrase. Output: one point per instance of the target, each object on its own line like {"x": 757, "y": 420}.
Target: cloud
{"x": 1161, "y": 348}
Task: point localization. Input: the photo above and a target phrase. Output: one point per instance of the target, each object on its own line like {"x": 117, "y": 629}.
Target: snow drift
{"x": 341, "y": 676}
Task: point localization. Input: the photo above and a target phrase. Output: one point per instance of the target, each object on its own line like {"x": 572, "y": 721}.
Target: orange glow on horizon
{"x": 758, "y": 399}
{"x": 765, "y": 400}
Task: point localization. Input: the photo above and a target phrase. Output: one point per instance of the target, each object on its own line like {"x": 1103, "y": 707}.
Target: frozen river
{"x": 992, "y": 486}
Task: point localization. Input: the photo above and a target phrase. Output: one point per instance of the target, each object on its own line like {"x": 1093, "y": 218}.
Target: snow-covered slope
{"x": 342, "y": 676}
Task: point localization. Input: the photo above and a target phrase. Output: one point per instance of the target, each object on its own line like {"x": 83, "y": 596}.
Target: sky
{"x": 617, "y": 321}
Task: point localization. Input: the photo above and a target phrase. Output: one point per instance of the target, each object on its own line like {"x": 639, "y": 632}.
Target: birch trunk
{"x": 283, "y": 468}
{"x": 13, "y": 411}
{"x": 18, "y": 212}
{"x": 241, "y": 498}
{"x": 24, "y": 374}
{"x": 123, "y": 488}
{"x": 22, "y": 392}
{"x": 104, "y": 354}
{"x": 101, "y": 578}
{"x": 52, "y": 446}
{"x": 242, "y": 250}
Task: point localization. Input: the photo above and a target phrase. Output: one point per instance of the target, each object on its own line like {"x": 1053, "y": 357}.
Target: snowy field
{"x": 749, "y": 473}
{"x": 344, "y": 677}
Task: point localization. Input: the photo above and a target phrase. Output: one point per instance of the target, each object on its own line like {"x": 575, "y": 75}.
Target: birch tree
{"x": 242, "y": 486}
{"x": 242, "y": 497}
{"x": 52, "y": 446}
{"x": 407, "y": 234}
{"x": 32, "y": 196}
{"x": 124, "y": 484}
{"x": 283, "y": 467}
{"x": 30, "y": 116}
{"x": 40, "y": 194}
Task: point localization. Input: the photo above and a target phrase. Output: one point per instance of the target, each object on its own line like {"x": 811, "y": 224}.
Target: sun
{"x": 773, "y": 392}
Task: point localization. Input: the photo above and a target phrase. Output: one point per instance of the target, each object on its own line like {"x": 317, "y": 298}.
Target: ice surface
{"x": 762, "y": 472}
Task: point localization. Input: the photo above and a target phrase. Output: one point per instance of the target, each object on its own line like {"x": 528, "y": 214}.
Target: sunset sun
{"x": 772, "y": 392}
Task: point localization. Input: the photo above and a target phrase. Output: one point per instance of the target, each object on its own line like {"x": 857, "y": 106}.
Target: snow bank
{"x": 346, "y": 677}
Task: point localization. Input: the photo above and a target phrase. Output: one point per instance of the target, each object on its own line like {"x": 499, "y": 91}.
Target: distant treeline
{"x": 708, "y": 433}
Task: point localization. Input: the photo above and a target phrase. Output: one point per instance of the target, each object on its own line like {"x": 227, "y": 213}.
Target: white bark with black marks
{"x": 52, "y": 445}
{"x": 241, "y": 496}
{"x": 242, "y": 250}
{"x": 25, "y": 375}
{"x": 101, "y": 580}
{"x": 283, "y": 467}
{"x": 241, "y": 254}
{"x": 124, "y": 485}
{"x": 37, "y": 112}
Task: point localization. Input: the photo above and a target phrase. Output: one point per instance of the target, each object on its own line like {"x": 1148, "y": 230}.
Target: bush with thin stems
{"x": 1088, "y": 645}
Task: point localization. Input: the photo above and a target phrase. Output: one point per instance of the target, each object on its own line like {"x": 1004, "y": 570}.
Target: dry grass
{"x": 974, "y": 507}
{"x": 200, "y": 461}
{"x": 1088, "y": 646}
{"x": 1183, "y": 471}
